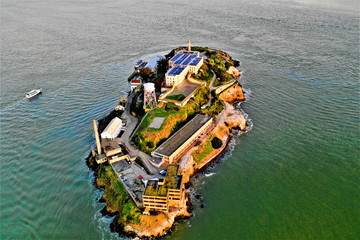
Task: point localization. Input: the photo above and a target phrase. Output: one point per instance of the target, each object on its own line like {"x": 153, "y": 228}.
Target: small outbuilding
{"x": 135, "y": 83}
{"x": 113, "y": 129}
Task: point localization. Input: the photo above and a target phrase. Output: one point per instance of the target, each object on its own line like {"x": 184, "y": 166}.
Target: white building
{"x": 135, "y": 83}
{"x": 154, "y": 62}
{"x": 113, "y": 129}
{"x": 176, "y": 75}
{"x": 181, "y": 64}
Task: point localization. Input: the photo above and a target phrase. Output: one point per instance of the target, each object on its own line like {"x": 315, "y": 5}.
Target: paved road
{"x": 210, "y": 87}
{"x": 212, "y": 81}
{"x": 125, "y": 139}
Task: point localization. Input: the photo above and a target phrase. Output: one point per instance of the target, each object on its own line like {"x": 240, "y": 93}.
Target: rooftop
{"x": 186, "y": 87}
{"x": 177, "y": 139}
{"x": 154, "y": 189}
{"x": 176, "y": 70}
{"x": 153, "y": 61}
{"x": 136, "y": 81}
{"x": 171, "y": 181}
{"x": 186, "y": 58}
{"x": 109, "y": 145}
{"x": 195, "y": 61}
{"x": 182, "y": 53}
{"x": 113, "y": 126}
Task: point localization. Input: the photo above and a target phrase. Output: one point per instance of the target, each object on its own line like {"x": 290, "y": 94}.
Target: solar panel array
{"x": 176, "y": 70}
{"x": 183, "y": 59}
{"x": 176, "y": 57}
{"x": 195, "y": 61}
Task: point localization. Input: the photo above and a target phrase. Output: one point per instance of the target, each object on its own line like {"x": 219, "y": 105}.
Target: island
{"x": 175, "y": 121}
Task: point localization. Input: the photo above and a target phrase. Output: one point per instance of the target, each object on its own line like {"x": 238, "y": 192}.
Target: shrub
{"x": 145, "y": 74}
{"x": 216, "y": 143}
{"x": 178, "y": 97}
{"x": 199, "y": 49}
{"x": 150, "y": 145}
{"x": 227, "y": 65}
{"x": 201, "y": 96}
{"x": 171, "y": 107}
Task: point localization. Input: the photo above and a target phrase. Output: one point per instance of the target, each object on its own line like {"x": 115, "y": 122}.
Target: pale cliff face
{"x": 232, "y": 94}
{"x": 157, "y": 225}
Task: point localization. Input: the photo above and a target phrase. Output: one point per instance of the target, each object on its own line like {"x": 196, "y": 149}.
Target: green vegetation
{"x": 202, "y": 95}
{"x": 216, "y": 106}
{"x": 178, "y": 97}
{"x": 204, "y": 73}
{"x": 199, "y": 49}
{"x": 171, "y": 181}
{"x": 222, "y": 77}
{"x": 216, "y": 143}
{"x": 137, "y": 109}
{"x": 156, "y": 191}
{"x": 115, "y": 195}
{"x": 146, "y": 74}
{"x": 219, "y": 62}
{"x": 162, "y": 67}
{"x": 174, "y": 116}
{"x": 169, "y": 107}
{"x": 202, "y": 151}
{"x": 161, "y": 71}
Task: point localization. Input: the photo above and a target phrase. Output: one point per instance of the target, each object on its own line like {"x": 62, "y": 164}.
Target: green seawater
{"x": 294, "y": 174}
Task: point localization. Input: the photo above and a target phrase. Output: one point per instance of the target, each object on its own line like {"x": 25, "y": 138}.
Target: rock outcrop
{"x": 234, "y": 71}
{"x": 233, "y": 118}
{"x": 232, "y": 94}
{"x": 157, "y": 225}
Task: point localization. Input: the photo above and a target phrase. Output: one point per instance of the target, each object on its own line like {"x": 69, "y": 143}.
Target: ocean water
{"x": 294, "y": 175}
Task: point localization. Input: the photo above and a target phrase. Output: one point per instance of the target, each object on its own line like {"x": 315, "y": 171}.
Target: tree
{"x": 145, "y": 73}
{"x": 150, "y": 145}
{"x": 162, "y": 65}
{"x": 216, "y": 143}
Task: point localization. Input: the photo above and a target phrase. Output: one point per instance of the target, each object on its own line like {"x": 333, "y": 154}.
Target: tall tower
{"x": 97, "y": 137}
{"x": 149, "y": 96}
{"x": 189, "y": 45}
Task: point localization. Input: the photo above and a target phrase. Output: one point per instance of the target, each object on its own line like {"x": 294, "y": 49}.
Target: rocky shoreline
{"x": 165, "y": 221}
{"x": 129, "y": 220}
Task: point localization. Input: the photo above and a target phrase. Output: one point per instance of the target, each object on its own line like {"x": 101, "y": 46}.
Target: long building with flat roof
{"x": 174, "y": 146}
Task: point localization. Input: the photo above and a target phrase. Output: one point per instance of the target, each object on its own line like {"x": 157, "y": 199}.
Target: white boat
{"x": 33, "y": 93}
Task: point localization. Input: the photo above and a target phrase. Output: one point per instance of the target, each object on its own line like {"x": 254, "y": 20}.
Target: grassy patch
{"x": 115, "y": 195}
{"x": 178, "y": 97}
{"x": 219, "y": 62}
{"x": 202, "y": 95}
{"x": 174, "y": 118}
{"x": 222, "y": 77}
{"x": 199, "y": 49}
{"x": 202, "y": 151}
{"x": 216, "y": 107}
{"x": 204, "y": 73}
